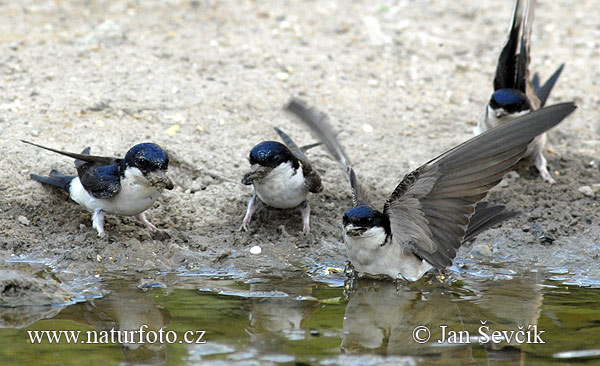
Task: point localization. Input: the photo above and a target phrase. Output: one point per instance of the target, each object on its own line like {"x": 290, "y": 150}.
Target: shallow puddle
{"x": 300, "y": 320}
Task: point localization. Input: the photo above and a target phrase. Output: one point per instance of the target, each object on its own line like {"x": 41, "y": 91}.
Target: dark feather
{"x": 305, "y": 148}
{"x": 99, "y": 175}
{"x": 312, "y": 180}
{"x": 85, "y": 157}
{"x": 522, "y": 66}
{"x": 100, "y": 181}
{"x": 85, "y": 151}
{"x": 544, "y": 91}
{"x": 486, "y": 217}
{"x": 455, "y": 181}
{"x": 318, "y": 123}
{"x": 506, "y": 68}
{"x": 56, "y": 179}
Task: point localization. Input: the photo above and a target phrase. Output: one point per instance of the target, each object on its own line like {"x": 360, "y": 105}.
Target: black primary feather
{"x": 506, "y": 68}
{"x": 99, "y": 175}
{"x": 85, "y": 157}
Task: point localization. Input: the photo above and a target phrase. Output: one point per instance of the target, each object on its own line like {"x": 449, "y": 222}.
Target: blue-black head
{"x": 363, "y": 218}
{"x": 270, "y": 154}
{"x": 510, "y": 100}
{"x": 147, "y": 157}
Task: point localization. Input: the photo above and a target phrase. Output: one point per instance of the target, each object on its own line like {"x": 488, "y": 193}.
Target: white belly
{"x": 135, "y": 197}
{"x": 369, "y": 257}
{"x": 281, "y": 188}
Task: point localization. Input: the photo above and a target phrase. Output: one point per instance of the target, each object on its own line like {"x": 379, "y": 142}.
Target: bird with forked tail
{"x": 514, "y": 94}
{"x": 106, "y": 185}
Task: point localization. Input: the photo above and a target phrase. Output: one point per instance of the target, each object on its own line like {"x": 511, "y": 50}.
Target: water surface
{"x": 295, "y": 319}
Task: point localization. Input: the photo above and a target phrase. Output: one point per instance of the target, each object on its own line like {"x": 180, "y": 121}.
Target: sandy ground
{"x": 401, "y": 80}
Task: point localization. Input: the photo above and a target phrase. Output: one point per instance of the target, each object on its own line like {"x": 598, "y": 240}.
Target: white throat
{"x": 375, "y": 253}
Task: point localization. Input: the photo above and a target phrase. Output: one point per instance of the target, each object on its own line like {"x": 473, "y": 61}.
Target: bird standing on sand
{"x": 281, "y": 176}
{"x": 106, "y": 185}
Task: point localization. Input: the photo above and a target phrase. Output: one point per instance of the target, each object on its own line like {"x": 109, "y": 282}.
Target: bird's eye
{"x": 370, "y": 220}
{"x": 277, "y": 157}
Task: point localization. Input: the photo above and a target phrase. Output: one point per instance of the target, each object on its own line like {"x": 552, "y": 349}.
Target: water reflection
{"x": 382, "y": 316}
{"x": 124, "y": 308}
{"x": 280, "y": 316}
{"x": 275, "y": 320}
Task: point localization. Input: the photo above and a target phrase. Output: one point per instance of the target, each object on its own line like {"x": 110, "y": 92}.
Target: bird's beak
{"x": 500, "y": 113}
{"x": 257, "y": 172}
{"x": 354, "y": 231}
{"x": 159, "y": 179}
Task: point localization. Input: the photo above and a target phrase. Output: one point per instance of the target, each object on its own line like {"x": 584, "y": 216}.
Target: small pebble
{"x": 596, "y": 187}
{"x": 586, "y": 190}
{"x": 482, "y": 250}
{"x": 283, "y": 76}
{"x": 255, "y": 250}
{"x": 367, "y": 128}
{"x": 23, "y": 220}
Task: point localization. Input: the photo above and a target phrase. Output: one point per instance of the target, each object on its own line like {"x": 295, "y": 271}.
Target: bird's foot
{"x": 542, "y": 166}
{"x": 142, "y": 218}
{"x": 98, "y": 222}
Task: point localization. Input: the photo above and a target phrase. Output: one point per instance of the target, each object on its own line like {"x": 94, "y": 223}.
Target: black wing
{"x": 100, "y": 181}
{"x": 431, "y": 208}
{"x": 523, "y": 57}
{"x": 99, "y": 175}
{"x": 543, "y": 92}
{"x": 318, "y": 123}
{"x": 312, "y": 180}
{"x": 84, "y": 157}
{"x": 506, "y": 68}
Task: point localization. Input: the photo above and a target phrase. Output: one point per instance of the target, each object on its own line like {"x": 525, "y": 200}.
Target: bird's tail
{"x": 486, "y": 216}
{"x": 543, "y": 92}
{"x": 56, "y": 179}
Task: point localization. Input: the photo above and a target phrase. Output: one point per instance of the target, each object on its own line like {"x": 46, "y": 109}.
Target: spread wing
{"x": 318, "y": 123}
{"x": 312, "y": 180}
{"x": 506, "y": 68}
{"x": 431, "y": 208}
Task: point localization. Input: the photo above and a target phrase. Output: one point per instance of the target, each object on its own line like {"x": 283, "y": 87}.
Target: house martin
{"x": 435, "y": 208}
{"x": 514, "y": 94}
{"x": 281, "y": 176}
{"x": 106, "y": 185}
